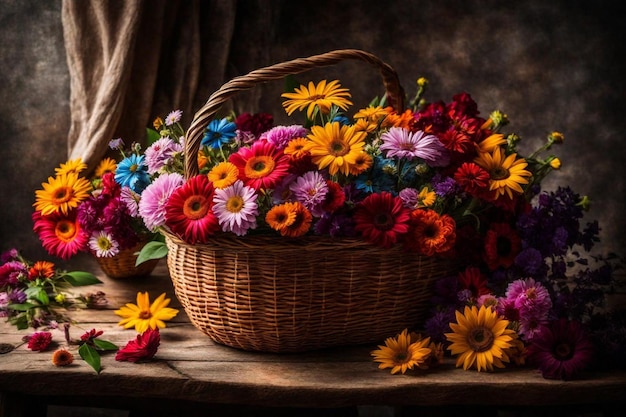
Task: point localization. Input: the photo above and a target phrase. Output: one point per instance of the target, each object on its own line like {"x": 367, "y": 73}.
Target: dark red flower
{"x": 39, "y": 341}
{"x": 382, "y": 219}
{"x": 144, "y": 347}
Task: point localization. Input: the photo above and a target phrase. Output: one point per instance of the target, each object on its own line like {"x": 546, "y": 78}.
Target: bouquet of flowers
{"x": 38, "y": 294}
{"x": 100, "y": 215}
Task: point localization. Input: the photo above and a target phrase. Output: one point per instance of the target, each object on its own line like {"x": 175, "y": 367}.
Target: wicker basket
{"x": 122, "y": 265}
{"x": 273, "y": 294}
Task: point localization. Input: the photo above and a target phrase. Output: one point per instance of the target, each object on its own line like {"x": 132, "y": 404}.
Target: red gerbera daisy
{"x": 261, "y": 166}
{"x": 335, "y": 197}
{"x": 475, "y": 281}
{"x": 188, "y": 212}
{"x": 430, "y": 233}
{"x": 143, "y": 348}
{"x": 60, "y": 234}
{"x": 502, "y": 244}
{"x": 472, "y": 178}
{"x": 382, "y": 219}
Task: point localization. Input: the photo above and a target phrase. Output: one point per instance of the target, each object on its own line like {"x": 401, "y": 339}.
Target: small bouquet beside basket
{"x": 100, "y": 214}
{"x": 355, "y": 226}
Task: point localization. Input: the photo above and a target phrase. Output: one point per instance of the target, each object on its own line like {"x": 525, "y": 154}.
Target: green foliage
{"x": 152, "y": 250}
{"x": 80, "y": 278}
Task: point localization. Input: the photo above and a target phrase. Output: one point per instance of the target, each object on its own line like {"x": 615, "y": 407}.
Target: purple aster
{"x": 444, "y": 186}
{"x": 236, "y": 208}
{"x": 10, "y": 255}
{"x": 173, "y": 117}
{"x": 103, "y": 244}
{"x": 161, "y": 154}
{"x": 439, "y": 324}
{"x": 280, "y": 136}
{"x": 17, "y": 296}
{"x": 335, "y": 225}
{"x": 531, "y": 262}
{"x": 154, "y": 199}
{"x": 116, "y": 144}
{"x": 561, "y": 350}
{"x": 404, "y": 144}
{"x": 310, "y": 189}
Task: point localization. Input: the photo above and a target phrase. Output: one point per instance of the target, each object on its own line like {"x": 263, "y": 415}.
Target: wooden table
{"x": 191, "y": 375}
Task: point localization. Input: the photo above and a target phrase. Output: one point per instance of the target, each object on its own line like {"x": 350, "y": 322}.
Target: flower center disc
{"x": 195, "y": 207}
{"x": 259, "y": 167}
{"x": 480, "y": 340}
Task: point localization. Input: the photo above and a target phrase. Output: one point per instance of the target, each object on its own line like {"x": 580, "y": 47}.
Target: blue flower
{"x": 132, "y": 172}
{"x": 218, "y": 133}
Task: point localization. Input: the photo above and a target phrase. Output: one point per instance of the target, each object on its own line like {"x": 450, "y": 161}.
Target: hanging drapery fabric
{"x": 130, "y": 61}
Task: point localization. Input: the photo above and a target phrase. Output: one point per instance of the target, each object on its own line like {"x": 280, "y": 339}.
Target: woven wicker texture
{"x": 122, "y": 265}
{"x": 274, "y": 294}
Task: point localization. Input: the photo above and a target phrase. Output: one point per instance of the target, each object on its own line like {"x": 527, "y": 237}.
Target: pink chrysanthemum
{"x": 60, "y": 235}
{"x": 533, "y": 302}
{"x": 131, "y": 201}
{"x": 382, "y": 219}
{"x": 402, "y": 143}
{"x": 280, "y": 136}
{"x": 189, "y": 214}
{"x": 160, "y": 154}
{"x": 310, "y": 189}
{"x": 261, "y": 166}
{"x": 236, "y": 208}
{"x": 155, "y": 197}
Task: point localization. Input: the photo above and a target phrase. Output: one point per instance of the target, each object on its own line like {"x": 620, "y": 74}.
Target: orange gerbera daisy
{"x": 321, "y": 96}
{"x": 336, "y": 147}
{"x": 430, "y": 233}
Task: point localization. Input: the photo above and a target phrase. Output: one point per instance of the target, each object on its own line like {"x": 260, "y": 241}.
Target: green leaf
{"x": 42, "y": 296}
{"x": 104, "y": 345}
{"x": 21, "y": 307}
{"x": 152, "y": 250}
{"x": 80, "y": 278}
{"x": 91, "y": 356}
{"x": 152, "y": 136}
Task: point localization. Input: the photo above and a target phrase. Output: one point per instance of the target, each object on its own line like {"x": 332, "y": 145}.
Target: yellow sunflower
{"x": 106, "y": 165}
{"x": 61, "y": 193}
{"x": 507, "y": 173}
{"x": 401, "y": 354}
{"x": 223, "y": 174}
{"x": 144, "y": 315}
{"x": 75, "y": 165}
{"x": 336, "y": 147}
{"x": 481, "y": 339}
{"x": 321, "y": 96}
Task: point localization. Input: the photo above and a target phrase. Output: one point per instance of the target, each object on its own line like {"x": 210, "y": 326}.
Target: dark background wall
{"x": 549, "y": 65}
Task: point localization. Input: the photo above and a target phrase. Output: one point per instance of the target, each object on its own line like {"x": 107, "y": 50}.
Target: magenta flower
{"x": 39, "y": 341}
{"x": 561, "y": 350}
{"x": 280, "y": 136}
{"x": 161, "y": 154}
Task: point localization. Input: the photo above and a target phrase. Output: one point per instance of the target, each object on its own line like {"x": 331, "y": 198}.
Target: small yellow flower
{"x": 59, "y": 298}
{"x": 422, "y": 82}
{"x": 556, "y": 137}
{"x": 144, "y": 315}
{"x": 555, "y": 163}
{"x": 401, "y": 353}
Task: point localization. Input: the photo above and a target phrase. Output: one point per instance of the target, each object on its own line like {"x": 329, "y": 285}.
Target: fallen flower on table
{"x": 91, "y": 346}
{"x": 143, "y": 315}
{"x": 39, "y": 341}
{"x": 143, "y": 348}
{"x": 405, "y": 352}
{"x": 62, "y": 357}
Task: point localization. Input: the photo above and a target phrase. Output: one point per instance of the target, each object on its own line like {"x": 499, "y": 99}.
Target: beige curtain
{"x": 132, "y": 60}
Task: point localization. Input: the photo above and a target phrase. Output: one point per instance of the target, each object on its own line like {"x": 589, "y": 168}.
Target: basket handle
{"x": 394, "y": 91}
